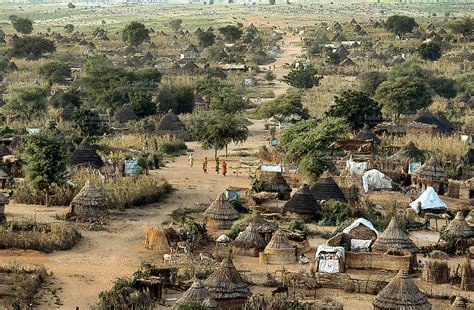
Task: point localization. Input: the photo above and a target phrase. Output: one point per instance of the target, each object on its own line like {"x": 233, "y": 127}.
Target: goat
{"x": 206, "y": 257}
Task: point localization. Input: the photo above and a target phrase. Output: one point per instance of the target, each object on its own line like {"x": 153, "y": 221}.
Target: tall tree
{"x": 231, "y": 33}
{"x": 400, "y": 24}
{"x": 464, "y": 26}
{"x": 88, "y": 122}
{"x": 175, "y": 24}
{"x": 69, "y": 28}
{"x": 26, "y": 102}
{"x": 135, "y": 33}
{"x": 24, "y": 46}
{"x": 46, "y": 161}
{"x": 429, "y": 51}
{"x": 141, "y": 104}
{"x": 55, "y": 72}
{"x": 206, "y": 38}
{"x": 21, "y": 24}
{"x": 178, "y": 98}
{"x": 369, "y": 81}
{"x": 283, "y": 107}
{"x": 305, "y": 77}
{"x": 62, "y": 98}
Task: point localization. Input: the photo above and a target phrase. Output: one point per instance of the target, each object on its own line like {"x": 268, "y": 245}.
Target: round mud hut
{"x": 220, "y": 214}
{"x": 458, "y": 228}
{"x": 85, "y": 155}
{"x": 198, "y": 294}
{"x": 327, "y": 189}
{"x": 278, "y": 251}
{"x": 88, "y": 203}
{"x": 249, "y": 242}
{"x": 365, "y": 134}
{"x": 171, "y": 125}
{"x": 124, "y": 114}
{"x": 227, "y": 286}
{"x": 303, "y": 205}
{"x": 394, "y": 240}
{"x": 401, "y": 293}
{"x": 431, "y": 173}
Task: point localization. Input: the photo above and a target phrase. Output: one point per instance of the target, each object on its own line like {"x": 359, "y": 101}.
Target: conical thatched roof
{"x": 260, "y": 223}
{"x": 393, "y": 238}
{"x": 303, "y": 202}
{"x": 171, "y": 122}
{"x": 86, "y": 155}
{"x": 4, "y": 151}
{"x": 210, "y": 303}
{"x": 279, "y": 241}
{"x": 196, "y": 293}
{"x": 458, "y": 304}
{"x": 458, "y": 227}
{"x": 278, "y": 184}
{"x": 401, "y": 293}
{"x": 221, "y": 209}
{"x": 342, "y": 51}
{"x": 89, "y": 196}
{"x": 226, "y": 282}
{"x": 367, "y": 135}
{"x": 348, "y": 63}
{"x": 431, "y": 169}
{"x": 190, "y": 66}
{"x": 327, "y": 189}
{"x": 339, "y": 38}
{"x": 407, "y": 153}
{"x": 124, "y": 114}
{"x": 438, "y": 119}
{"x": 250, "y": 238}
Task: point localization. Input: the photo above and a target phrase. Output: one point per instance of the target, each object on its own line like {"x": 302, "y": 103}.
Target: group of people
{"x": 222, "y": 167}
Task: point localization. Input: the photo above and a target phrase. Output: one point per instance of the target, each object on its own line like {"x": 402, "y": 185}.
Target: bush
{"x": 172, "y": 147}
{"x": 335, "y": 213}
{"x": 298, "y": 225}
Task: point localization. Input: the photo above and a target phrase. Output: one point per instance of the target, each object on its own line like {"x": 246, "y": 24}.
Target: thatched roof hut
{"x": 327, "y": 189}
{"x": 278, "y": 184}
{"x": 366, "y": 134}
{"x": 227, "y": 286}
{"x": 221, "y": 214}
{"x": 4, "y": 151}
{"x": 86, "y": 155}
{"x": 278, "y": 250}
{"x": 438, "y": 120}
{"x": 394, "y": 239}
{"x": 458, "y": 227}
{"x": 89, "y": 202}
{"x": 170, "y": 124}
{"x": 197, "y": 293}
{"x": 459, "y": 303}
{"x": 347, "y": 63}
{"x": 303, "y": 204}
{"x": 431, "y": 170}
{"x": 401, "y": 293}
{"x": 342, "y": 52}
{"x": 124, "y": 114}
{"x": 155, "y": 239}
{"x": 407, "y": 153}
{"x": 190, "y": 66}
{"x": 249, "y": 242}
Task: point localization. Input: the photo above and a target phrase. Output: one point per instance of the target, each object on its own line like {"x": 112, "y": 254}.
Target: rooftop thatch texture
{"x": 394, "y": 239}
{"x": 250, "y": 239}
{"x": 407, "y": 153}
{"x": 438, "y": 119}
{"x": 67, "y": 112}
{"x": 171, "y": 122}
{"x": 303, "y": 202}
{"x": 366, "y": 134}
{"x": 221, "y": 209}
{"x": 4, "y": 151}
{"x": 278, "y": 184}
{"x": 279, "y": 241}
{"x": 401, "y": 293}
{"x": 89, "y": 198}
{"x": 327, "y": 189}
{"x": 261, "y": 224}
{"x": 124, "y": 114}
{"x": 226, "y": 282}
{"x": 197, "y": 293}
{"x": 86, "y": 155}
{"x": 431, "y": 169}
{"x": 458, "y": 304}
{"x": 458, "y": 227}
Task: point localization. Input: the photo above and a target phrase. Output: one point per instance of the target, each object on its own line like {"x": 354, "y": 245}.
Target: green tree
{"x": 26, "y": 102}
{"x": 231, "y": 33}
{"x": 464, "y": 26}
{"x": 400, "y": 24}
{"x": 175, "y": 24}
{"x": 141, "y": 104}
{"x": 369, "y": 81}
{"x": 227, "y": 102}
{"x": 333, "y": 58}
{"x": 272, "y": 2}
{"x": 206, "y": 38}
{"x": 24, "y": 46}
{"x": 46, "y": 161}
{"x": 71, "y": 5}
{"x": 88, "y": 122}
{"x": 404, "y": 94}
{"x": 429, "y": 51}
{"x": 55, "y": 72}
{"x": 269, "y": 76}
{"x": 135, "y": 33}
{"x": 356, "y": 107}
{"x": 21, "y": 24}
{"x": 69, "y": 28}
{"x": 283, "y": 107}
{"x": 307, "y": 143}
{"x": 303, "y": 77}
{"x": 62, "y": 98}
{"x": 178, "y": 98}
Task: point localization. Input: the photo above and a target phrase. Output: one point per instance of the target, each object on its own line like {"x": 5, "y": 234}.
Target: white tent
{"x": 358, "y": 222}
{"x": 428, "y": 200}
{"x": 355, "y": 167}
{"x": 330, "y": 259}
{"x": 374, "y": 179}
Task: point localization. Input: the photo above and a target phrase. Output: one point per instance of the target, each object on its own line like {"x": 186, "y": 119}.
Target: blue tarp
{"x": 131, "y": 168}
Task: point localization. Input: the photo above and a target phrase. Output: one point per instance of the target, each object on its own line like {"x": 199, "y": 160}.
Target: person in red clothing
{"x": 224, "y": 168}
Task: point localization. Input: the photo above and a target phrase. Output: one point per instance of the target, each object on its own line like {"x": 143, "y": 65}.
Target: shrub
{"x": 172, "y": 147}
{"x": 298, "y": 225}
{"x": 335, "y": 213}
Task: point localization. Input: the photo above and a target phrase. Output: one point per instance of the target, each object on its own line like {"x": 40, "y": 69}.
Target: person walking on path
{"x": 204, "y": 165}
{"x": 191, "y": 160}
{"x": 224, "y": 168}
{"x": 217, "y": 165}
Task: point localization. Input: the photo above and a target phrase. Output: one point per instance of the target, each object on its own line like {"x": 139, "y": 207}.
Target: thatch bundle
{"x": 436, "y": 271}
{"x": 226, "y": 282}
{"x": 466, "y": 275}
{"x": 249, "y": 242}
{"x": 458, "y": 227}
{"x": 197, "y": 293}
{"x": 394, "y": 239}
{"x": 459, "y": 303}
{"x": 431, "y": 170}
{"x": 86, "y": 155}
{"x": 401, "y": 293}
{"x": 327, "y": 189}
{"x": 155, "y": 239}
{"x": 221, "y": 214}
{"x": 89, "y": 202}
{"x": 304, "y": 203}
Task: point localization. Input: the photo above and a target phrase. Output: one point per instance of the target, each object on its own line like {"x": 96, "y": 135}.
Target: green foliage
{"x": 178, "y": 98}
{"x": 464, "y": 26}
{"x": 314, "y": 49}
{"x": 6, "y": 131}
{"x": 141, "y": 104}
{"x": 62, "y": 98}
{"x": 88, "y": 122}
{"x": 27, "y": 45}
{"x": 307, "y": 143}
{"x": 46, "y": 161}
{"x": 124, "y": 295}
{"x": 429, "y": 51}
{"x": 26, "y": 102}
{"x": 465, "y": 83}
{"x": 55, "y": 72}
{"x": 443, "y": 87}
{"x": 227, "y": 102}
{"x": 356, "y": 107}
{"x": 172, "y": 147}
{"x": 369, "y": 81}
{"x": 333, "y": 58}
{"x": 69, "y": 28}
{"x": 206, "y": 38}
{"x": 269, "y": 76}
{"x": 135, "y": 33}
{"x": 230, "y": 33}
{"x": 303, "y": 77}
{"x": 283, "y": 107}
{"x": 298, "y": 225}
{"x": 191, "y": 305}
{"x": 335, "y": 213}
{"x": 21, "y": 24}
{"x": 400, "y": 24}
{"x": 175, "y": 24}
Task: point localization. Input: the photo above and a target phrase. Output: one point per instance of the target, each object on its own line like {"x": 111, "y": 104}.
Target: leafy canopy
{"x": 55, "y": 72}
{"x": 135, "y": 33}
{"x": 24, "y": 46}
{"x": 88, "y": 122}
{"x": 303, "y": 77}
{"x": 206, "y": 38}
{"x": 178, "y": 98}
{"x": 26, "y": 102}
{"x": 62, "y": 98}
{"x": 464, "y": 26}
{"x": 369, "y": 81}
{"x": 21, "y": 24}
{"x": 69, "y": 28}
{"x": 429, "y": 51}
{"x": 283, "y": 106}
{"x": 230, "y": 33}
{"x": 400, "y": 24}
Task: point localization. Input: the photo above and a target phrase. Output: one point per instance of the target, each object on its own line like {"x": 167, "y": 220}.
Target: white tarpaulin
{"x": 428, "y": 200}
{"x": 357, "y": 168}
{"x": 357, "y": 223}
{"x": 271, "y": 168}
{"x": 374, "y": 179}
{"x": 358, "y": 245}
{"x": 328, "y": 258}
